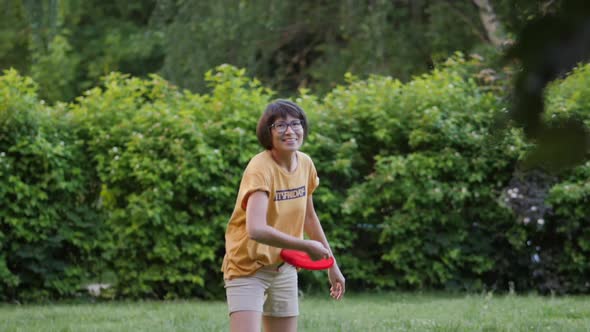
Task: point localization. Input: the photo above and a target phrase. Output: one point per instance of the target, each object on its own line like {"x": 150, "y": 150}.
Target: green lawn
{"x": 361, "y": 312}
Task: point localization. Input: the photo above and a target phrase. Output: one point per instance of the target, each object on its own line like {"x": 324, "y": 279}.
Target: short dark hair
{"x": 278, "y": 109}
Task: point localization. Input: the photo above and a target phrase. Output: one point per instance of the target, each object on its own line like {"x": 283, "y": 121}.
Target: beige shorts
{"x": 271, "y": 290}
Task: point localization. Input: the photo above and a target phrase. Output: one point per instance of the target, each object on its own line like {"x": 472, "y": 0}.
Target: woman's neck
{"x": 285, "y": 160}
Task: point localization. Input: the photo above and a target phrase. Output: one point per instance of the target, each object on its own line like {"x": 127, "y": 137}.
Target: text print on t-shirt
{"x": 283, "y": 195}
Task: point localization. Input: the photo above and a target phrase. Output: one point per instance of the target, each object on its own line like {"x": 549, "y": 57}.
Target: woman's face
{"x": 287, "y": 134}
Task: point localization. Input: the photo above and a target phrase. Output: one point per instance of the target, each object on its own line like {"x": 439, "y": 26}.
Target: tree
{"x": 66, "y": 46}
{"x": 308, "y": 44}
{"x": 14, "y": 41}
{"x": 490, "y": 22}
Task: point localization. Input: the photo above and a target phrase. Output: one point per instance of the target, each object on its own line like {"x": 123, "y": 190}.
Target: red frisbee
{"x": 301, "y": 259}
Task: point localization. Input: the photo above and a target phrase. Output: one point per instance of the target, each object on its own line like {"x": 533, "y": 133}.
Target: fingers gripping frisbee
{"x": 302, "y": 260}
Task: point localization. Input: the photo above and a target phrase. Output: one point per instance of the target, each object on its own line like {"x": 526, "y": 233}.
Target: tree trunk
{"x": 490, "y": 22}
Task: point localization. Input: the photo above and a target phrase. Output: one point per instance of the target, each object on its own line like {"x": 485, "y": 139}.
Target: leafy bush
{"x": 561, "y": 239}
{"x": 169, "y": 163}
{"x": 136, "y": 179}
{"x": 426, "y": 179}
{"x": 46, "y": 218}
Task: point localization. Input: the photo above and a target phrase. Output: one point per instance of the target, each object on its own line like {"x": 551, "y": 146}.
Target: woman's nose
{"x": 289, "y": 129}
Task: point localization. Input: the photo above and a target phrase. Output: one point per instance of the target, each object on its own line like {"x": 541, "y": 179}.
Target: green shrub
{"x": 135, "y": 181}
{"x": 427, "y": 206}
{"x": 46, "y": 217}
{"x": 561, "y": 239}
{"x": 169, "y": 164}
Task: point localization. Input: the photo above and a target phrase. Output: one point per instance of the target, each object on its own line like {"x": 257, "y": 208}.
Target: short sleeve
{"x": 253, "y": 180}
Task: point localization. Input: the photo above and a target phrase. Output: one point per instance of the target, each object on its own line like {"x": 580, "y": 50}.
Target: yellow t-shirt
{"x": 287, "y": 203}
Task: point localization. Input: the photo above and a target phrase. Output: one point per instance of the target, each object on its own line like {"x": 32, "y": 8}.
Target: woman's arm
{"x": 259, "y": 231}
{"x": 312, "y": 226}
{"x": 314, "y": 230}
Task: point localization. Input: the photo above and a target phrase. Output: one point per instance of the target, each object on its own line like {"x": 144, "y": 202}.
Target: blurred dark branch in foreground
{"x": 547, "y": 48}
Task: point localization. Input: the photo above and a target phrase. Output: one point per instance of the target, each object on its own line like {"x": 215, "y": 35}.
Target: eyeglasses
{"x": 282, "y": 126}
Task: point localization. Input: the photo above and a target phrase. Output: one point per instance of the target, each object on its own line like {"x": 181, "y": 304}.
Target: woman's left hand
{"x": 337, "y": 282}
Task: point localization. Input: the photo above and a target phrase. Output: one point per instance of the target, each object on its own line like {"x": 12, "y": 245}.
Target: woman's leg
{"x": 282, "y": 304}
{"x": 245, "y": 321}
{"x": 279, "y": 324}
{"x": 245, "y": 299}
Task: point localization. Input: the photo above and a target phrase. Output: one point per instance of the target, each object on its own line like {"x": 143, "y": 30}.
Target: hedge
{"x": 133, "y": 184}
{"x": 48, "y": 216}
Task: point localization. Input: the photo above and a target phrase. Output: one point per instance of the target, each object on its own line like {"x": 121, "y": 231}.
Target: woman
{"x": 273, "y": 209}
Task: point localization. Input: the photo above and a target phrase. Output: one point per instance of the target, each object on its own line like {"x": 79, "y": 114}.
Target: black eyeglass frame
{"x": 288, "y": 124}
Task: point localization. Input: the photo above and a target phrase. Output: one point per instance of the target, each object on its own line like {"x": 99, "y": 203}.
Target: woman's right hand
{"x": 316, "y": 250}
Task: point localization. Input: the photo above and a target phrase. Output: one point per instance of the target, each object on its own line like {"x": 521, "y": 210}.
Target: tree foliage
{"x": 68, "y": 45}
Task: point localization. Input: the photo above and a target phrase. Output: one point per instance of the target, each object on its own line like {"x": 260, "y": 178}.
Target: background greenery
{"x": 134, "y": 181}
{"x": 68, "y": 45}
{"x": 111, "y": 173}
